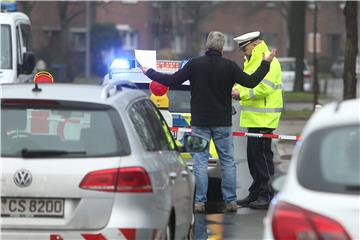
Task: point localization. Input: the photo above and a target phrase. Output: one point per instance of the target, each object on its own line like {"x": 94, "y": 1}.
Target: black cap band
{"x": 241, "y": 45}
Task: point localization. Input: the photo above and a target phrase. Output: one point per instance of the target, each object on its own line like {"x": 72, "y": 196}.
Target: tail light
{"x": 292, "y": 222}
{"x": 212, "y": 162}
{"x": 131, "y": 179}
{"x": 306, "y": 74}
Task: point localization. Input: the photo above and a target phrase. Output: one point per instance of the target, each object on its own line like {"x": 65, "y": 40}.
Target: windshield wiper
{"x": 45, "y": 153}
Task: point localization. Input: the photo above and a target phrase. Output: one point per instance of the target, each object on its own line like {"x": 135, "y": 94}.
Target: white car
{"x": 288, "y": 68}
{"x": 320, "y": 195}
{"x": 337, "y": 68}
{"x": 90, "y": 162}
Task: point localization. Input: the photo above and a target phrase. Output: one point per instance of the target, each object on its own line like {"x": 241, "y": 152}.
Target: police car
{"x": 176, "y": 101}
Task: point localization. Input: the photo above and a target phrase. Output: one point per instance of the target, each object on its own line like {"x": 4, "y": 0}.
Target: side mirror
{"x": 233, "y": 110}
{"x": 194, "y": 144}
{"x": 278, "y": 183}
{"x": 28, "y": 63}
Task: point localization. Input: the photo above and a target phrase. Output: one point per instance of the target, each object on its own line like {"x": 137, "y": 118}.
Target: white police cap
{"x": 247, "y": 38}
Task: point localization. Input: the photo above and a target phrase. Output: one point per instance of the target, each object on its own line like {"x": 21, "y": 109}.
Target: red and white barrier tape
{"x": 245, "y": 134}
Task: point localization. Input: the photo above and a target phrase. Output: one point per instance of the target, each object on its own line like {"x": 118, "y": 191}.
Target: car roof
{"x": 335, "y": 114}
{"x": 134, "y": 75}
{"x": 67, "y": 92}
{"x": 10, "y": 17}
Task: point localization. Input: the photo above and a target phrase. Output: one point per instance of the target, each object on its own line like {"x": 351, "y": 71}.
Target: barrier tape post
{"x": 246, "y": 134}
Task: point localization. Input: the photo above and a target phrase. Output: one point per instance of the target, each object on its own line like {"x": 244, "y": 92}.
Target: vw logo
{"x": 22, "y": 178}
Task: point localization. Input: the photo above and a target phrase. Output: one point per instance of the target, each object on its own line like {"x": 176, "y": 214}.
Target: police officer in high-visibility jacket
{"x": 261, "y": 109}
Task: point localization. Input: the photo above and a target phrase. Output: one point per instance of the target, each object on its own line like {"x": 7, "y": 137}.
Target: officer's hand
{"x": 144, "y": 69}
{"x": 270, "y": 57}
{"x": 235, "y": 95}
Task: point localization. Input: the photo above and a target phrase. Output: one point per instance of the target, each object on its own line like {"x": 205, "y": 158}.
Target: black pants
{"x": 261, "y": 165}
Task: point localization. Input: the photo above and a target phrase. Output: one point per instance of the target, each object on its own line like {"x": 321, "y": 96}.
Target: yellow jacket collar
{"x": 258, "y": 50}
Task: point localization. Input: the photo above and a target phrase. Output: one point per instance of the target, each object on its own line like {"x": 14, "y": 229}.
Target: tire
{"x": 190, "y": 235}
{"x": 214, "y": 190}
{"x": 169, "y": 230}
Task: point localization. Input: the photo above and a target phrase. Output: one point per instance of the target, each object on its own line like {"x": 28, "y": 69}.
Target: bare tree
{"x": 294, "y": 13}
{"x": 65, "y": 17}
{"x": 351, "y": 50}
{"x": 27, "y": 7}
{"x": 182, "y": 20}
{"x": 296, "y": 30}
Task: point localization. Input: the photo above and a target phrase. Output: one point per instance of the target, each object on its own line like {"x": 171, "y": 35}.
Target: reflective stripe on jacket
{"x": 262, "y": 105}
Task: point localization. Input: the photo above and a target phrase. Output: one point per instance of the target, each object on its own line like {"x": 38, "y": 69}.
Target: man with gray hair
{"x": 211, "y": 78}
{"x": 215, "y": 40}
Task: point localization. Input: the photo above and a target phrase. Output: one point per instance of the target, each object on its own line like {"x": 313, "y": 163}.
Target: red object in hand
{"x": 158, "y": 89}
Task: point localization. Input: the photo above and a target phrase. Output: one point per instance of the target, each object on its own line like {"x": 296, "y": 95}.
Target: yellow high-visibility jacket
{"x": 261, "y": 106}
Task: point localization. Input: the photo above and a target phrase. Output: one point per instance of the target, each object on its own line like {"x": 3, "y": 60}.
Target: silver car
{"x": 90, "y": 162}
{"x": 288, "y": 69}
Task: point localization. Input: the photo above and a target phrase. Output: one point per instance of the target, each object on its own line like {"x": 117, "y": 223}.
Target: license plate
{"x": 32, "y": 207}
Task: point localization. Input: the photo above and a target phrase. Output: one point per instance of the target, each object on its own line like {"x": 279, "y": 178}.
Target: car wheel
{"x": 214, "y": 190}
{"x": 169, "y": 230}
{"x": 190, "y": 235}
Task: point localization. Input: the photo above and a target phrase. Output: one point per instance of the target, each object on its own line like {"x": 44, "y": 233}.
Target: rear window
{"x": 43, "y": 129}
{"x": 329, "y": 160}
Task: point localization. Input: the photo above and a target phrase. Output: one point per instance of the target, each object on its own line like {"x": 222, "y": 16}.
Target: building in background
{"x": 177, "y": 29}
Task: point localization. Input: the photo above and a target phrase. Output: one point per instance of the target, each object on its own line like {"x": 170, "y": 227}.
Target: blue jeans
{"x": 222, "y": 137}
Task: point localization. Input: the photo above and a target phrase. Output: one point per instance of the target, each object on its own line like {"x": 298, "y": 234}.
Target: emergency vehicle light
{"x": 43, "y": 77}
{"x": 8, "y": 6}
{"x": 122, "y": 63}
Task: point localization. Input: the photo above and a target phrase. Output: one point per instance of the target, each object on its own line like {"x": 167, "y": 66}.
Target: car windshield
{"x": 330, "y": 160}
{"x": 60, "y": 129}
{"x": 5, "y": 50}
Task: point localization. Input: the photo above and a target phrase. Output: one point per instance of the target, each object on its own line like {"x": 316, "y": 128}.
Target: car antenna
{"x": 36, "y": 88}
{"x": 42, "y": 77}
{"x": 337, "y": 107}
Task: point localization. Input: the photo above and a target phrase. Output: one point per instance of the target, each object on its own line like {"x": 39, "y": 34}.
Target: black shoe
{"x": 245, "y": 201}
{"x": 259, "y": 204}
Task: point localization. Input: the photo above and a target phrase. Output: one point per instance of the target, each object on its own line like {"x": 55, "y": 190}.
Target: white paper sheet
{"x": 146, "y": 58}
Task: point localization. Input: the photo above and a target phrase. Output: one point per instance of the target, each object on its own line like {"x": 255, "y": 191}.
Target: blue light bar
{"x": 120, "y": 63}
{"x": 8, "y": 6}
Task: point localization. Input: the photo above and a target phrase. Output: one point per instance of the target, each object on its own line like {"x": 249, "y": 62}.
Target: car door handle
{"x": 173, "y": 175}
{"x": 184, "y": 173}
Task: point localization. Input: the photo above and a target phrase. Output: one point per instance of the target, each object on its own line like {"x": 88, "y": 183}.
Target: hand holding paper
{"x": 144, "y": 69}
{"x": 146, "y": 59}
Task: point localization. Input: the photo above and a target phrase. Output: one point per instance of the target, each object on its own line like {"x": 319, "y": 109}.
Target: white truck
{"x": 17, "y": 61}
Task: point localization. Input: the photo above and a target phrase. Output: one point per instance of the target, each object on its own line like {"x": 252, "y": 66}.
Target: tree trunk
{"x": 296, "y": 29}
{"x": 27, "y": 7}
{"x": 351, "y": 50}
